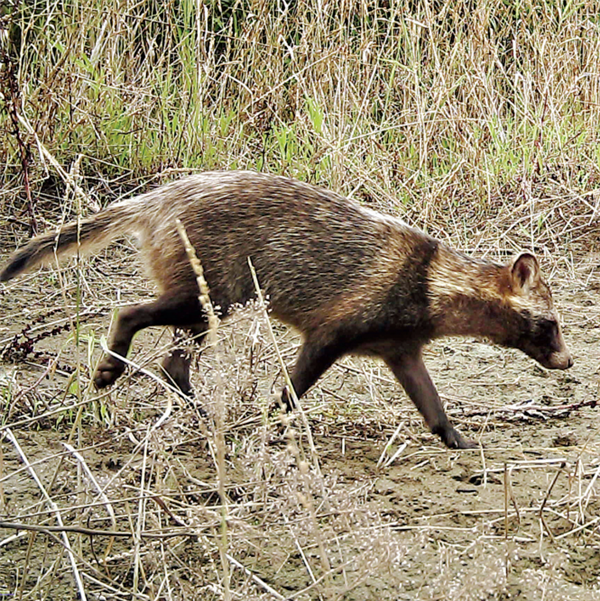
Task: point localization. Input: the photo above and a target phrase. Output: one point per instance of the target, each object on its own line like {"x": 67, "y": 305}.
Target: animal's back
{"x": 310, "y": 247}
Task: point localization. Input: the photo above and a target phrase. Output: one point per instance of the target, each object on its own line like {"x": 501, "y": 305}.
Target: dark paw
{"x": 176, "y": 371}
{"x": 108, "y": 371}
{"x": 183, "y": 388}
{"x": 287, "y": 402}
{"x": 454, "y": 440}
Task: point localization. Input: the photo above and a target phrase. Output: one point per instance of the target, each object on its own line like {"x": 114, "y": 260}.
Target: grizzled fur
{"x": 350, "y": 279}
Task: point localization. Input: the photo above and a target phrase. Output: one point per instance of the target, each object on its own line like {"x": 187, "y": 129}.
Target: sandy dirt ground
{"x": 373, "y": 508}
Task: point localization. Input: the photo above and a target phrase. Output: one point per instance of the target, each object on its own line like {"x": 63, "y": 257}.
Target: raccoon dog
{"x": 351, "y": 280}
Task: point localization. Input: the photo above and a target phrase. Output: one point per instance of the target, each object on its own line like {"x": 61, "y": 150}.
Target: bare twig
{"x": 256, "y": 579}
{"x": 11, "y": 94}
{"x": 8, "y": 433}
{"x": 542, "y": 519}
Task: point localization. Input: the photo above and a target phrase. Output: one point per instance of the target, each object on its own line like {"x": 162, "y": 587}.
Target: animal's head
{"x": 535, "y": 326}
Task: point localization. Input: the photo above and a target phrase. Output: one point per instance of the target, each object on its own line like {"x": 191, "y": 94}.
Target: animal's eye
{"x": 548, "y": 325}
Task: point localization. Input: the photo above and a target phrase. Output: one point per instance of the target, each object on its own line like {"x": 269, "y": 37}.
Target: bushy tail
{"x": 92, "y": 233}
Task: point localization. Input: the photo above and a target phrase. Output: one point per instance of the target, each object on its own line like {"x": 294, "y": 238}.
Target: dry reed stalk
{"x": 288, "y": 381}
{"x": 219, "y": 414}
{"x": 306, "y": 498}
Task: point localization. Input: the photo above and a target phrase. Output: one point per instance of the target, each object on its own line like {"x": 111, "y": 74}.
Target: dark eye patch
{"x": 545, "y": 332}
{"x": 543, "y": 321}
{"x": 548, "y": 324}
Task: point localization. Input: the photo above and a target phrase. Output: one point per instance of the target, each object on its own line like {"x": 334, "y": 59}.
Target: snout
{"x": 562, "y": 360}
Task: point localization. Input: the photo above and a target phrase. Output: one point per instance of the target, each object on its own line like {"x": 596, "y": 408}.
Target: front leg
{"x": 411, "y": 372}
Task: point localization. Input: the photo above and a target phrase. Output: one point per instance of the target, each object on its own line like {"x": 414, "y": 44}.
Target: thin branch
{"x": 56, "y": 510}
{"x": 93, "y": 532}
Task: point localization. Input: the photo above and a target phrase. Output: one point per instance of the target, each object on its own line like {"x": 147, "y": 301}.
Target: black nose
{"x": 570, "y": 362}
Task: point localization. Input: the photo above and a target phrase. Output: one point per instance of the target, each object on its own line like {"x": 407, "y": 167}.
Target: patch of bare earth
{"x": 373, "y": 508}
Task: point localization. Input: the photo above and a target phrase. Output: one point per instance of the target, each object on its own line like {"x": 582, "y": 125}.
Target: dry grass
{"x": 469, "y": 120}
{"x": 478, "y": 122}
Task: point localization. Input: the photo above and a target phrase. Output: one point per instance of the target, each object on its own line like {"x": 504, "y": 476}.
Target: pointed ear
{"x": 525, "y": 272}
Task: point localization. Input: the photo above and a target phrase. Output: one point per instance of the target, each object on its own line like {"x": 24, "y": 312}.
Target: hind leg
{"x": 171, "y": 309}
{"x": 315, "y": 357}
{"x": 176, "y": 363}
